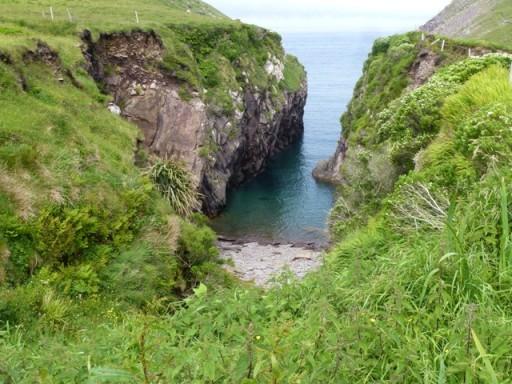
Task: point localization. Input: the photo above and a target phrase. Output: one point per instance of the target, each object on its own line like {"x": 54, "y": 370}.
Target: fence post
{"x": 422, "y": 36}
{"x": 442, "y": 45}
{"x": 511, "y": 74}
{"x": 51, "y": 13}
{"x": 137, "y": 17}
{"x": 70, "y": 16}
{"x": 469, "y": 52}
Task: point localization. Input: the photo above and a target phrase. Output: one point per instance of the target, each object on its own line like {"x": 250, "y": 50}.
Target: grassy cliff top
{"x": 489, "y": 20}
{"x": 103, "y": 15}
{"x": 209, "y": 52}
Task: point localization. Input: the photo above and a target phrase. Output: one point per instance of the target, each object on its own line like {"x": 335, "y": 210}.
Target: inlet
{"x": 285, "y": 204}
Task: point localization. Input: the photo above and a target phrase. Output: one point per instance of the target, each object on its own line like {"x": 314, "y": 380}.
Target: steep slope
{"x": 489, "y": 20}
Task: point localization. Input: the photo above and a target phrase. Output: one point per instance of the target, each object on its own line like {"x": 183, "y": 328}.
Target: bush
{"x": 485, "y": 137}
{"x": 197, "y": 250}
{"x": 412, "y": 121}
{"x": 381, "y": 45}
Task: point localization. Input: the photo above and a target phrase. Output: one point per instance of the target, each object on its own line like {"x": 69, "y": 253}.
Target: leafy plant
{"x": 176, "y": 185}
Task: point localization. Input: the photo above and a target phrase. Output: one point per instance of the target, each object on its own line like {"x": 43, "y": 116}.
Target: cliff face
{"x": 221, "y": 148}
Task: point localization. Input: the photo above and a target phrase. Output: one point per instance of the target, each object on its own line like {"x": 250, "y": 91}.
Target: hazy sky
{"x": 332, "y": 15}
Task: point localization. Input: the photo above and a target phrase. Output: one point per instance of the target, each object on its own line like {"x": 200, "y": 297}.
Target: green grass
{"x": 74, "y": 209}
{"x": 293, "y": 74}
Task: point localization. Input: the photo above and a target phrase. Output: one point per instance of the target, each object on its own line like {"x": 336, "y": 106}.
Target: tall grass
{"x": 176, "y": 186}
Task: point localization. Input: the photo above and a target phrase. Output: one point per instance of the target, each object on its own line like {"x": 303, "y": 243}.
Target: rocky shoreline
{"x": 261, "y": 262}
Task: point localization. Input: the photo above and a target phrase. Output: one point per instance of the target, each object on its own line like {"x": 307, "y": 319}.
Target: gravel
{"x": 261, "y": 263}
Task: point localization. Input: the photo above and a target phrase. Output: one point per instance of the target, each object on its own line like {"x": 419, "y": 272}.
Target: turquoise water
{"x": 285, "y": 203}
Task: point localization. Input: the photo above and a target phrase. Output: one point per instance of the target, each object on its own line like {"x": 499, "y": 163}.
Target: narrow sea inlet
{"x": 285, "y": 204}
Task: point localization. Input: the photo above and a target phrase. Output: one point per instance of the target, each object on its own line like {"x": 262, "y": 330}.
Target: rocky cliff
{"x": 222, "y": 148}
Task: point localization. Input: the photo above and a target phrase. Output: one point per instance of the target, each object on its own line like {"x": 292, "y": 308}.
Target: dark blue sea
{"x": 285, "y": 203}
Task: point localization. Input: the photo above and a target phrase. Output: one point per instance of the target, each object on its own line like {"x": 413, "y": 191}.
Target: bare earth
{"x": 261, "y": 263}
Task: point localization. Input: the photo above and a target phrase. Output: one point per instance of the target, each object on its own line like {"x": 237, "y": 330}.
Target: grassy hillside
{"x": 417, "y": 291}
{"x": 496, "y": 26}
{"x": 75, "y": 211}
{"x": 488, "y": 20}
{"x": 84, "y": 232}
{"x": 69, "y": 183}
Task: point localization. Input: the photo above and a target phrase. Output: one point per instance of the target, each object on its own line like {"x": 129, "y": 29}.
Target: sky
{"x": 332, "y": 15}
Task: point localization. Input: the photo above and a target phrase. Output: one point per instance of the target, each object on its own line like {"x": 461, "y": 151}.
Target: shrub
{"x": 20, "y": 304}
{"x": 197, "y": 250}
{"x": 381, "y": 45}
{"x": 485, "y": 137}
{"x": 76, "y": 281}
{"x": 412, "y": 121}
{"x": 64, "y": 234}
{"x": 141, "y": 273}
{"x": 176, "y": 185}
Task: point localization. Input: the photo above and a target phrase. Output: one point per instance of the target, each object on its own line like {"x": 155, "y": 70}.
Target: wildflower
{"x": 373, "y": 320}
{"x": 258, "y": 337}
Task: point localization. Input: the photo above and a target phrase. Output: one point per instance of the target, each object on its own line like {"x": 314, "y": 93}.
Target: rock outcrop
{"x": 221, "y": 151}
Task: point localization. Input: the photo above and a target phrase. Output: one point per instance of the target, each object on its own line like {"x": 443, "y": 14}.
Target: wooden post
{"x": 136, "y": 17}
{"x": 422, "y": 36}
{"x": 469, "y": 52}
{"x": 442, "y": 45}
{"x": 51, "y": 13}
{"x": 70, "y": 16}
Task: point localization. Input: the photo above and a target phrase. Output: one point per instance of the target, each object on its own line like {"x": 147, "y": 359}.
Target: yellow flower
{"x": 258, "y": 337}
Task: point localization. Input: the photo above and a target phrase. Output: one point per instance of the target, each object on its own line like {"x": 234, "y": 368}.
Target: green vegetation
{"x": 101, "y": 281}
{"x": 388, "y": 123}
{"x": 293, "y": 74}
{"x": 420, "y": 294}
